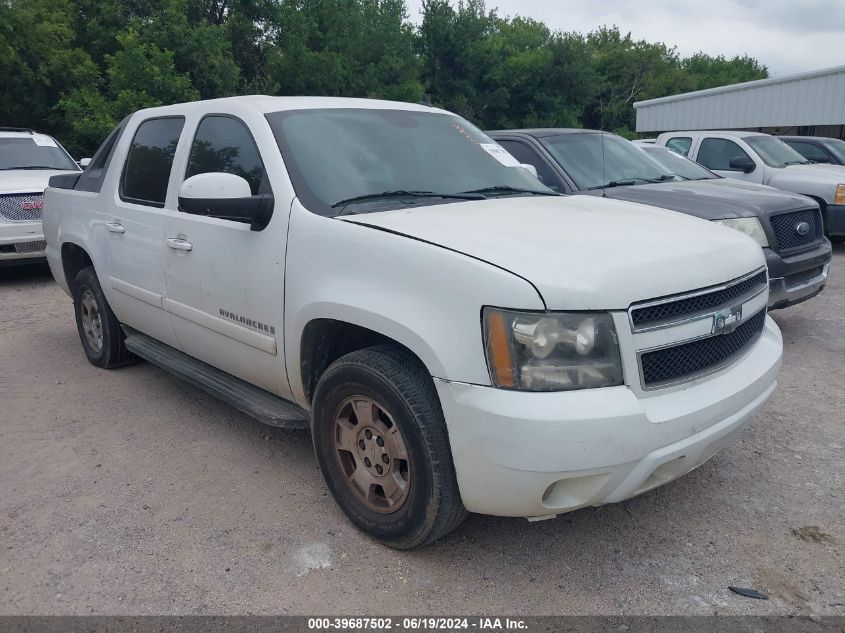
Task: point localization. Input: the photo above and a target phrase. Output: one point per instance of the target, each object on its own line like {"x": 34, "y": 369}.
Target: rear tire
{"x": 99, "y": 330}
{"x": 383, "y": 448}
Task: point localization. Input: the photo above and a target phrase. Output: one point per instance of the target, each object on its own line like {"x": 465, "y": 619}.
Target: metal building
{"x": 811, "y": 103}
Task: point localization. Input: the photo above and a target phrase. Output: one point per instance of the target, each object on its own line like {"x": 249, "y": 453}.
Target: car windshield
{"x": 678, "y": 165}
{"x": 594, "y": 160}
{"x": 774, "y": 152}
{"x": 33, "y": 152}
{"x": 358, "y": 160}
{"x": 837, "y": 148}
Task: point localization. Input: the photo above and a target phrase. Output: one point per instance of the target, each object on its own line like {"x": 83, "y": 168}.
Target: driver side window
{"x": 717, "y": 153}
{"x": 224, "y": 144}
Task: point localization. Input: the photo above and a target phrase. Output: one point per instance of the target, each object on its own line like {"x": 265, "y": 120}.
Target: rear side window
{"x": 717, "y": 153}
{"x": 94, "y": 174}
{"x": 680, "y": 144}
{"x": 149, "y": 161}
{"x": 224, "y": 144}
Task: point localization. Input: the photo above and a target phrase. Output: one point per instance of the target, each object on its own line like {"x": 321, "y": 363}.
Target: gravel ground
{"x": 130, "y": 492}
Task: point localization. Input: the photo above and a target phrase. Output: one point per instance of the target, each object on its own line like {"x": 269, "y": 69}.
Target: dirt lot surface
{"x": 130, "y": 492}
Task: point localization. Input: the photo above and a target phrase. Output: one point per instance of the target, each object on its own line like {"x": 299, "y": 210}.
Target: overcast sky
{"x": 788, "y": 36}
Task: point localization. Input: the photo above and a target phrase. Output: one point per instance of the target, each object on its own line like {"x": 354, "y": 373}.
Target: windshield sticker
{"x": 500, "y": 154}
{"x": 44, "y": 141}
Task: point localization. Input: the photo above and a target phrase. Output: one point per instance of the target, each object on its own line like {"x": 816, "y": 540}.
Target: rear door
{"x": 133, "y": 225}
{"x": 225, "y": 282}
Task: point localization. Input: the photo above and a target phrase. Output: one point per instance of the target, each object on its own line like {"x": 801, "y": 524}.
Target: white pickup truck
{"x": 766, "y": 160}
{"x": 456, "y": 336}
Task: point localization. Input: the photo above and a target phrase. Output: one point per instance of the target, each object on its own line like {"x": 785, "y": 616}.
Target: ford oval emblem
{"x": 802, "y": 228}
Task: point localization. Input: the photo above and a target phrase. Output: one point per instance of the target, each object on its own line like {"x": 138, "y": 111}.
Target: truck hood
{"x": 817, "y": 180}
{"x": 581, "y": 252}
{"x": 715, "y": 199}
{"x": 28, "y": 180}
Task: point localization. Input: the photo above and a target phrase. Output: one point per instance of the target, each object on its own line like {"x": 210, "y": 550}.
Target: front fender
{"x": 423, "y": 296}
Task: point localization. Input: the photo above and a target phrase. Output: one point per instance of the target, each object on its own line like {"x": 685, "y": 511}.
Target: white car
{"x": 27, "y": 161}
{"x": 455, "y": 335}
{"x": 766, "y": 160}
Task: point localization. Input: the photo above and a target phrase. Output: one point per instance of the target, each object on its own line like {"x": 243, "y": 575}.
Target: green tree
{"x": 354, "y": 48}
{"x": 39, "y": 62}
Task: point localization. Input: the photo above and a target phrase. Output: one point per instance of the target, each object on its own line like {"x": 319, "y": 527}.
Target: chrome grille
{"x": 30, "y": 247}
{"x": 21, "y": 207}
{"x": 671, "y": 310}
{"x": 684, "y": 361}
{"x": 785, "y": 228}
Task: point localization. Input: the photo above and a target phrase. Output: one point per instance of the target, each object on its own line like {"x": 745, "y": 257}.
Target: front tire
{"x": 383, "y": 448}
{"x": 99, "y": 330}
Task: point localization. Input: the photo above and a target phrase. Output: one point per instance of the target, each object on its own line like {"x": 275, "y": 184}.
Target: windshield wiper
{"x": 402, "y": 193}
{"x": 29, "y": 167}
{"x": 796, "y": 162}
{"x": 631, "y": 181}
{"x": 506, "y": 189}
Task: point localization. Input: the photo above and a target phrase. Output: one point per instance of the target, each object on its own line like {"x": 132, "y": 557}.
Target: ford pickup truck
{"x": 590, "y": 162}
{"x": 455, "y": 335}
{"x": 764, "y": 159}
{"x": 27, "y": 162}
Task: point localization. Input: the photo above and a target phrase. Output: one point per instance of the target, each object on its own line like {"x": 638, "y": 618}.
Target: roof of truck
{"x": 265, "y": 104}
{"x": 541, "y": 132}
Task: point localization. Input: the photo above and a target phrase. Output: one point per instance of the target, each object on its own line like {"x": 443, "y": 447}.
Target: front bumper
{"x": 541, "y": 454}
{"x": 21, "y": 242}
{"x": 834, "y": 220}
{"x": 796, "y": 278}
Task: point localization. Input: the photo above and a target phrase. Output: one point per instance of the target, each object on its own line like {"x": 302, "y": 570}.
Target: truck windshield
{"x": 23, "y": 152}
{"x": 837, "y": 148}
{"x": 774, "y": 152}
{"x": 678, "y": 165}
{"x": 594, "y": 160}
{"x": 357, "y": 160}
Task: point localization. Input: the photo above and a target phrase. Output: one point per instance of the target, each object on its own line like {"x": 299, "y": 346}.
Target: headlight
{"x": 750, "y": 226}
{"x": 551, "y": 351}
{"x": 839, "y": 198}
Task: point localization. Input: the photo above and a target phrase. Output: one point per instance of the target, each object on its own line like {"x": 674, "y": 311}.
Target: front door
{"x": 717, "y": 153}
{"x": 134, "y": 228}
{"x": 225, "y": 282}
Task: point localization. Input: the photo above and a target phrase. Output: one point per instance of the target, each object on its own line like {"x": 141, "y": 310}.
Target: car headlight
{"x": 750, "y": 226}
{"x": 551, "y": 351}
{"x": 839, "y": 198}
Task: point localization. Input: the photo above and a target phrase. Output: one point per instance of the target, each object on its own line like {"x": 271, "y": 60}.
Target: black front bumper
{"x": 796, "y": 278}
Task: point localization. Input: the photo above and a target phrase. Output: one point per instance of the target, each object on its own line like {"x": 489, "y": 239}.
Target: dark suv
{"x": 589, "y": 162}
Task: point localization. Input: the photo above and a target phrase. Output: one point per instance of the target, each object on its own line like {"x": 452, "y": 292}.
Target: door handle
{"x": 115, "y": 227}
{"x": 177, "y": 243}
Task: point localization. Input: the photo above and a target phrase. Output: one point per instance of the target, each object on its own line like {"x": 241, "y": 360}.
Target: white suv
{"x": 454, "y": 334}
{"x": 27, "y": 160}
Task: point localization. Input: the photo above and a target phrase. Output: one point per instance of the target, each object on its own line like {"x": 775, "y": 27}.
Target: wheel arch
{"x": 74, "y": 259}
{"x": 324, "y": 340}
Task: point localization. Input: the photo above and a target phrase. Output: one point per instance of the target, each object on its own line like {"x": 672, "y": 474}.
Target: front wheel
{"x": 383, "y": 449}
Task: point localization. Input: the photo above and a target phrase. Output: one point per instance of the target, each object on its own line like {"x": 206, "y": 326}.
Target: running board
{"x": 254, "y": 401}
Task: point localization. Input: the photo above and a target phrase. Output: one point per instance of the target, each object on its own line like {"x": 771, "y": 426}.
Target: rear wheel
{"x": 99, "y": 330}
{"x": 382, "y": 446}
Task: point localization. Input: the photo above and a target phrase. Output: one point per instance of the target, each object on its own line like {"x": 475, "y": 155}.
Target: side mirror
{"x": 530, "y": 168}
{"x": 742, "y": 163}
{"x": 83, "y": 162}
{"x": 227, "y": 197}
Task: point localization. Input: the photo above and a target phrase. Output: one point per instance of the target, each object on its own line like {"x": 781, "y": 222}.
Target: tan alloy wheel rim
{"x": 372, "y": 454}
{"x": 92, "y": 325}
